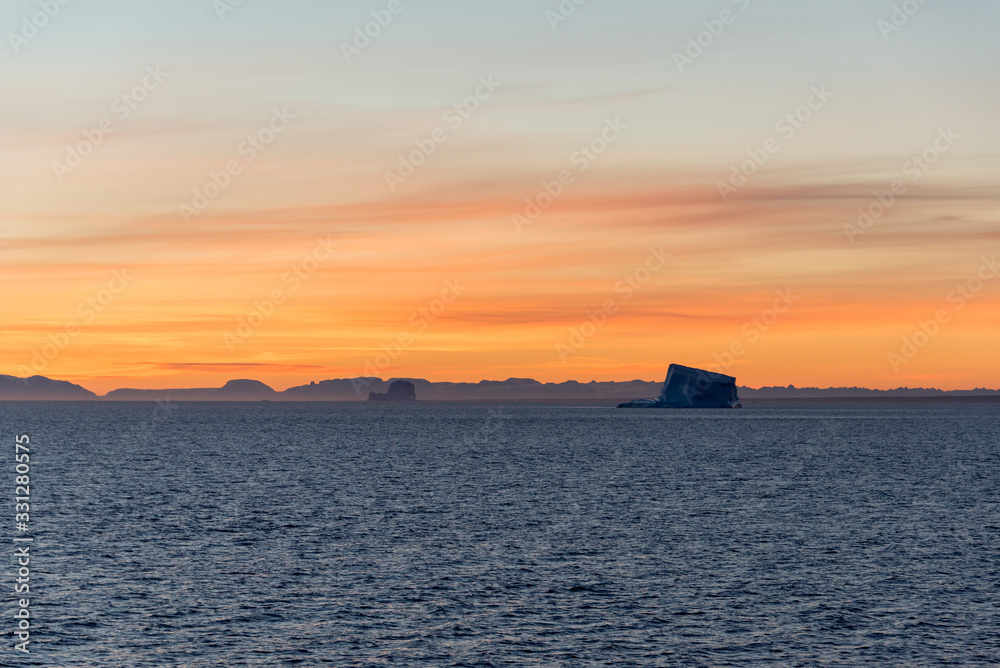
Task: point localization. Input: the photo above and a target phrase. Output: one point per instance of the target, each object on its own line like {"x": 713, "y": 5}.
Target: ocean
{"x": 448, "y": 534}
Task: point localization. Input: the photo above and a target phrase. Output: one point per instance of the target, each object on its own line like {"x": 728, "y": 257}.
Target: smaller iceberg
{"x": 686, "y": 387}
{"x": 400, "y": 390}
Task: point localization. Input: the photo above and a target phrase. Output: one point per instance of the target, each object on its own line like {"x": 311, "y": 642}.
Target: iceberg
{"x": 400, "y": 390}
{"x": 686, "y": 387}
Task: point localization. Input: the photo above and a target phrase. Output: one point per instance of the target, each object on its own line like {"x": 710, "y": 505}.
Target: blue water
{"x": 469, "y": 535}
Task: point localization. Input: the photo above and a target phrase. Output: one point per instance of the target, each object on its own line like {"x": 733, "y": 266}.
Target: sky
{"x": 788, "y": 192}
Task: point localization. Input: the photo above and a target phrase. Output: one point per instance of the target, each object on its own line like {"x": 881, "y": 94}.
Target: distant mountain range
{"x": 39, "y": 388}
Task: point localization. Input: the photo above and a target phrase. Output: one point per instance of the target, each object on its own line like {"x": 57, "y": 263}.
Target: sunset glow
{"x": 575, "y": 213}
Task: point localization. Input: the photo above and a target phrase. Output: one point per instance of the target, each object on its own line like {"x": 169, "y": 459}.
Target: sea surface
{"x": 445, "y": 534}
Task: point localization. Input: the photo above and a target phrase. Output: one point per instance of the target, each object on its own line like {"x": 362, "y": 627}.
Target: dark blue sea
{"x": 283, "y": 534}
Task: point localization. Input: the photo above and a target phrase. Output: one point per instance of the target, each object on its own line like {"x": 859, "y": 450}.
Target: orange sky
{"x": 515, "y": 297}
{"x": 194, "y": 304}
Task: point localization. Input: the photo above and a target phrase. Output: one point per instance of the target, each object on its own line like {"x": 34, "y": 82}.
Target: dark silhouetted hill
{"x": 40, "y": 388}
{"x": 512, "y": 389}
{"x": 234, "y": 390}
{"x": 792, "y": 392}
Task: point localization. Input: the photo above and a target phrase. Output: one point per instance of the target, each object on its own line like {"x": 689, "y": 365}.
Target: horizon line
{"x": 372, "y": 379}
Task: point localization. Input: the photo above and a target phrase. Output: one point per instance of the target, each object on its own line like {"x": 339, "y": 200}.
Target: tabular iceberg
{"x": 692, "y": 388}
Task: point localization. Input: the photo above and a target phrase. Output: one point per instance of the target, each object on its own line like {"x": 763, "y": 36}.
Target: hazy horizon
{"x": 388, "y": 379}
